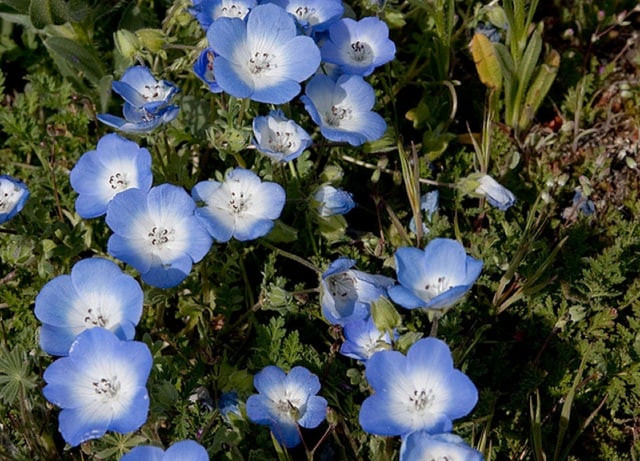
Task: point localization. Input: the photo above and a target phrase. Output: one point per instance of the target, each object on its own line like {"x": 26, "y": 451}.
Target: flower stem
{"x": 291, "y": 256}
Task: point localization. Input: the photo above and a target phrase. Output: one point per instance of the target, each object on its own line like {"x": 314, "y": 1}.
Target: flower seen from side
{"x": 184, "y": 450}
{"x": 313, "y": 15}
{"x": 254, "y": 62}
{"x": 115, "y": 165}
{"x": 13, "y": 196}
{"x": 435, "y": 278}
{"x": 203, "y": 68}
{"x": 332, "y": 201}
{"x": 100, "y": 386}
{"x": 421, "y": 445}
{"x": 342, "y": 109}
{"x": 157, "y": 233}
{"x": 419, "y": 391}
{"x": 207, "y": 11}
{"x": 496, "y": 194}
{"x": 242, "y": 207}
{"x": 286, "y": 402}
{"x": 429, "y": 204}
{"x": 363, "y": 339}
{"x": 96, "y": 293}
{"x": 278, "y": 137}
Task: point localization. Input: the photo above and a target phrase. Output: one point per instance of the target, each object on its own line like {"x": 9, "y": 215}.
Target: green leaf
{"x": 75, "y": 60}
{"x": 539, "y": 88}
{"x": 45, "y": 12}
{"x": 487, "y": 62}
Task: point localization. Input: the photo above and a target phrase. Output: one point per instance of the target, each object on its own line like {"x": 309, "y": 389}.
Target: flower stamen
{"x": 159, "y": 236}
{"x": 262, "y": 62}
{"x": 107, "y": 387}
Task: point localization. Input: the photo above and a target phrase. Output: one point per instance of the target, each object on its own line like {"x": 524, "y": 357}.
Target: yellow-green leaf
{"x": 487, "y": 63}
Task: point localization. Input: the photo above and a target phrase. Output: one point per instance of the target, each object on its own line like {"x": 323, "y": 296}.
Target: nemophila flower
{"x": 421, "y": 391}
{"x": 496, "y": 194}
{"x": 115, "y": 165}
{"x": 435, "y": 278}
{"x": 429, "y": 204}
{"x": 185, "y": 450}
{"x": 363, "y": 339}
{"x": 358, "y": 47}
{"x": 157, "y": 233}
{"x": 342, "y": 109}
{"x": 421, "y": 445}
{"x": 97, "y": 293}
{"x": 346, "y": 293}
{"x": 278, "y": 137}
{"x": 314, "y": 15}
{"x": 203, "y": 68}
{"x": 242, "y": 207}
{"x": 228, "y": 403}
{"x": 583, "y": 204}
{"x": 207, "y": 11}
{"x": 100, "y": 386}
{"x": 13, "y": 195}
{"x": 331, "y": 201}
{"x": 286, "y": 401}
{"x": 263, "y": 58}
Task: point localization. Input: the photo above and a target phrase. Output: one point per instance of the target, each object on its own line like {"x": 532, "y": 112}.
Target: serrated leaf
{"x": 486, "y": 60}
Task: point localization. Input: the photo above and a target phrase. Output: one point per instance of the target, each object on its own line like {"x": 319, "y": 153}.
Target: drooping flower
{"x": 358, "y": 47}
{"x": 363, "y": 339}
{"x": 286, "y": 401}
{"x": 497, "y": 195}
{"x": 342, "y": 109}
{"x": 428, "y": 203}
{"x": 331, "y": 201}
{"x": 185, "y": 450}
{"x": 13, "y": 195}
{"x": 97, "y": 293}
{"x": 115, "y": 165}
{"x": 157, "y": 233}
{"x": 242, "y": 207}
{"x": 100, "y": 386}
{"x": 313, "y": 15}
{"x": 421, "y": 391}
{"x": 346, "y": 293}
{"x": 203, "y": 68}
{"x": 278, "y": 137}
{"x": 254, "y": 62}
{"x": 207, "y": 11}
{"x": 421, "y": 445}
{"x": 435, "y": 278}
{"x": 228, "y": 404}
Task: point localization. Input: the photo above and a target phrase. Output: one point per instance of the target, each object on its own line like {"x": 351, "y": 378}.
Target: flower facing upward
{"x": 115, "y": 165}
{"x": 203, "y": 68}
{"x": 185, "y": 450}
{"x": 97, "y": 293}
{"x": 435, "y": 278}
{"x": 13, "y": 195}
{"x": 331, "y": 201}
{"x": 316, "y": 15}
{"x": 278, "y": 137}
{"x": 207, "y": 11}
{"x": 157, "y": 233}
{"x": 363, "y": 339}
{"x": 421, "y": 391}
{"x": 421, "y": 445}
{"x": 100, "y": 386}
{"x": 286, "y": 401}
{"x": 242, "y": 207}
{"x": 263, "y": 58}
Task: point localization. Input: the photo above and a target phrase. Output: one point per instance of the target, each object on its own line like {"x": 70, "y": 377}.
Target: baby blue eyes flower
{"x": 286, "y": 401}
{"x": 278, "y": 137}
{"x": 117, "y": 164}
{"x": 358, "y": 47}
{"x": 331, "y": 201}
{"x": 157, "y": 233}
{"x": 497, "y": 195}
{"x": 203, "y": 68}
{"x": 316, "y": 15}
{"x": 342, "y": 109}
{"x": 242, "y": 207}
{"x": 207, "y": 11}
{"x": 100, "y": 386}
{"x": 185, "y": 450}
{"x": 421, "y": 391}
{"x": 435, "y": 278}
{"x": 13, "y": 195}
{"x": 421, "y": 445}
{"x": 428, "y": 203}
{"x": 97, "y": 293}
{"x": 254, "y": 62}
{"x": 363, "y": 339}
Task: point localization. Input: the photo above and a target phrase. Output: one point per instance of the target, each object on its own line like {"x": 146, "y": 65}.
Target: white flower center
{"x": 337, "y": 114}
{"x": 118, "y": 181}
{"x": 159, "y": 236}
{"x": 231, "y": 10}
{"x": 9, "y": 195}
{"x": 156, "y": 92}
{"x": 261, "y": 62}
{"x": 439, "y": 286}
{"x": 421, "y": 400}
{"x": 107, "y": 388}
{"x": 96, "y": 318}
{"x": 239, "y": 202}
{"x": 342, "y": 286}
{"x": 281, "y": 141}
{"x": 360, "y": 52}
{"x": 304, "y": 13}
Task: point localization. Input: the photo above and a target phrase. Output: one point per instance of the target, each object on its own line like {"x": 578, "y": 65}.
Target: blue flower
{"x": 428, "y": 203}
{"x": 313, "y": 15}
{"x": 497, "y": 195}
{"x": 117, "y": 164}
{"x": 13, "y": 195}
{"x": 185, "y": 450}
{"x": 346, "y": 294}
{"x": 278, "y": 137}
{"x": 488, "y": 30}
{"x": 256, "y": 62}
{"x": 157, "y": 233}
{"x": 358, "y": 47}
{"x": 97, "y": 293}
{"x": 342, "y": 109}
{"x": 286, "y": 401}
{"x": 363, "y": 339}
{"x": 207, "y": 11}
{"x": 583, "y": 204}
{"x": 203, "y": 68}
{"x": 242, "y": 207}
{"x": 421, "y": 445}
{"x": 435, "y": 278}
{"x": 100, "y": 386}
{"x": 421, "y": 391}
{"x": 331, "y": 201}
{"x": 228, "y": 403}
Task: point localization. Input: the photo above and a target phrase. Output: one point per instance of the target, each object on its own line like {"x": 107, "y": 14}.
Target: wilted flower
{"x": 421, "y": 391}
{"x": 435, "y": 278}
{"x": 203, "y": 68}
{"x": 286, "y": 401}
{"x": 13, "y": 195}
{"x": 242, "y": 206}
{"x": 363, "y": 339}
{"x": 254, "y": 62}
{"x": 497, "y": 195}
{"x": 316, "y": 15}
{"x": 278, "y": 137}
{"x": 115, "y": 165}
{"x": 331, "y": 201}
{"x": 185, "y": 450}
{"x": 100, "y": 386}
{"x": 421, "y": 445}
{"x": 157, "y": 233}
{"x": 97, "y": 293}
{"x": 489, "y": 30}
{"x": 207, "y": 11}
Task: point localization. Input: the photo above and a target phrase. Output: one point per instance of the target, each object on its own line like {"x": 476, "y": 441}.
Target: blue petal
{"x": 225, "y": 35}
{"x": 405, "y": 297}
{"x": 134, "y": 416}
{"x": 374, "y": 414}
{"x": 410, "y": 267}
{"x": 203, "y": 190}
{"x": 127, "y": 213}
{"x": 286, "y": 433}
{"x": 448, "y": 298}
{"x": 78, "y": 425}
{"x": 56, "y": 340}
{"x": 259, "y": 409}
{"x": 144, "y": 453}
{"x": 383, "y": 368}
{"x": 129, "y": 94}
{"x": 301, "y": 378}
{"x": 131, "y": 251}
{"x": 463, "y": 395}
{"x": 445, "y": 258}
{"x": 338, "y": 266}
{"x": 186, "y": 450}
{"x": 170, "y": 203}
{"x": 268, "y": 381}
{"x": 161, "y": 276}
{"x": 315, "y": 413}
{"x": 53, "y": 300}
{"x": 230, "y": 79}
